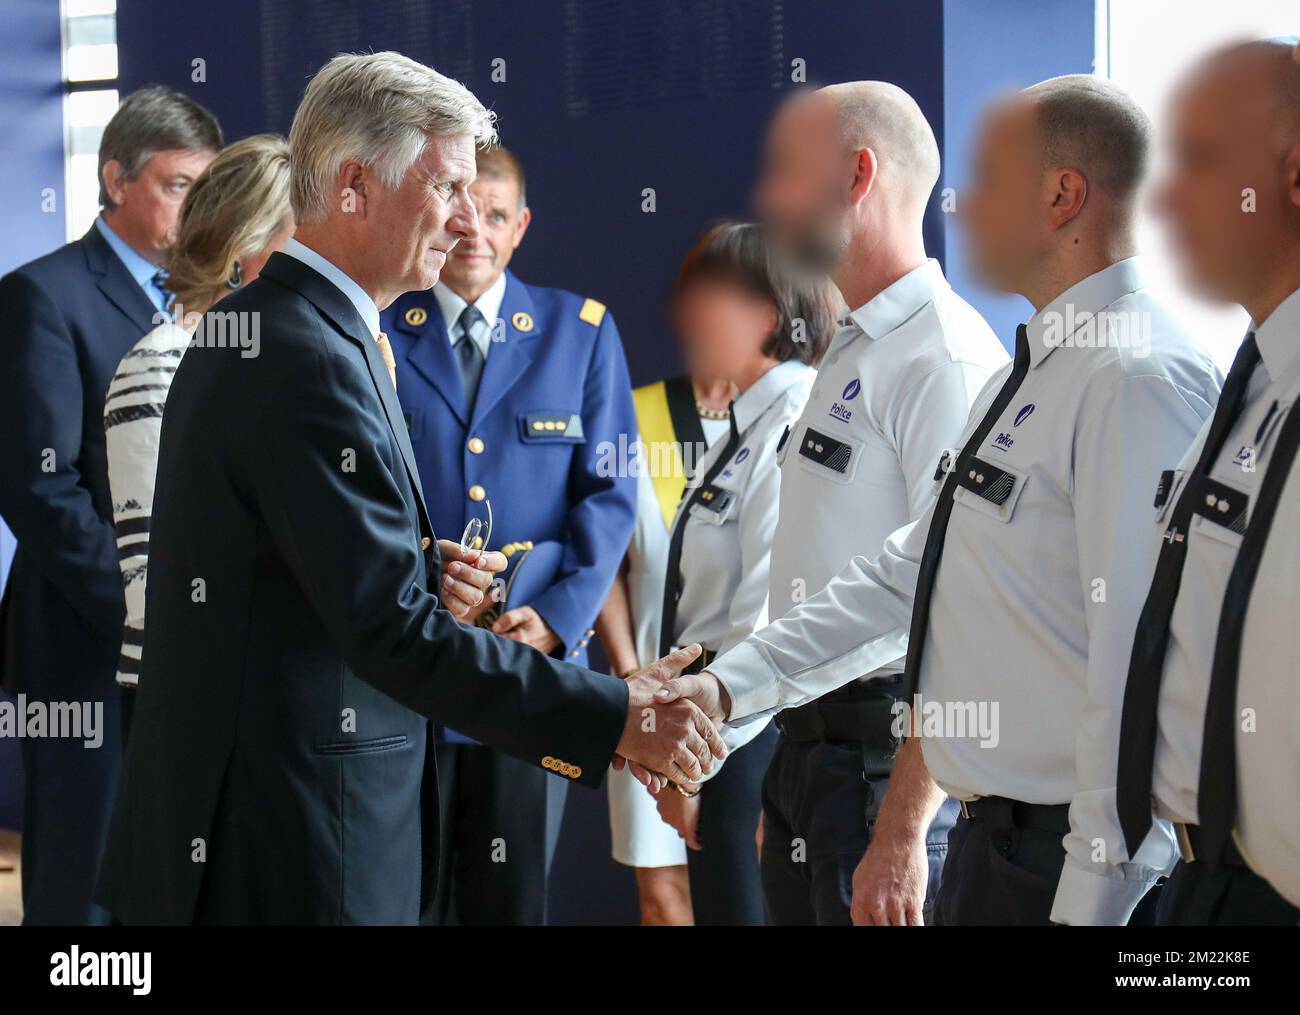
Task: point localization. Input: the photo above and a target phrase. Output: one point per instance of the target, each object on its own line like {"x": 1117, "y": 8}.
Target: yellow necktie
{"x": 386, "y": 351}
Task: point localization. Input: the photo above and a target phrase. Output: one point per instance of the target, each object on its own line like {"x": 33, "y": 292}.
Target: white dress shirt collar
{"x": 357, "y": 296}
{"x": 1059, "y": 320}
{"x": 888, "y": 309}
{"x": 767, "y": 389}
{"x": 489, "y": 305}
{"x": 1278, "y": 338}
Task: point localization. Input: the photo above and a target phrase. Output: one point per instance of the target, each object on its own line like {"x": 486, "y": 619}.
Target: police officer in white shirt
{"x": 849, "y": 172}
{"x": 747, "y": 317}
{"x": 1209, "y": 736}
{"x": 1027, "y": 580}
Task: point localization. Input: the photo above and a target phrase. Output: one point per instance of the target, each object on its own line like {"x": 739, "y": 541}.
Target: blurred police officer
{"x": 69, "y": 317}
{"x": 1209, "y": 737}
{"x": 1026, "y": 576}
{"x": 514, "y": 394}
{"x": 848, "y": 175}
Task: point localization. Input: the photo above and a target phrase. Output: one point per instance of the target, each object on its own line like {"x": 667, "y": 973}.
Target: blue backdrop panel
{"x": 31, "y": 150}
{"x": 991, "y": 47}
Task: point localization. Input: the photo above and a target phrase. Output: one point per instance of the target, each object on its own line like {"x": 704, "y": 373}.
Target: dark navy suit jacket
{"x": 66, "y": 321}
{"x": 279, "y": 768}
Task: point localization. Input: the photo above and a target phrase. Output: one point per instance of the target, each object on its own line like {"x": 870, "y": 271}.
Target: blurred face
{"x": 722, "y": 328}
{"x": 147, "y": 208}
{"x": 412, "y": 229}
{"x": 1224, "y": 139}
{"x": 1001, "y": 207}
{"x": 803, "y": 189}
{"x": 477, "y": 262}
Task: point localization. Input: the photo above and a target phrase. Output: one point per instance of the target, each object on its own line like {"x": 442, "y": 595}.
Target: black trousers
{"x": 819, "y": 813}
{"x": 725, "y": 886}
{"x": 68, "y": 794}
{"x": 1230, "y": 896}
{"x": 500, "y": 820}
{"x": 1002, "y": 869}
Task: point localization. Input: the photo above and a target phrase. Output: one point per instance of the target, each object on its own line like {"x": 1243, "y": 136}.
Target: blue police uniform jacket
{"x": 541, "y": 441}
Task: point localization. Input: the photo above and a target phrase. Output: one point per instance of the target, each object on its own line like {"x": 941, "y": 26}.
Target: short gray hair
{"x": 379, "y": 109}
{"x": 1092, "y": 125}
{"x": 883, "y": 117}
{"x": 153, "y": 120}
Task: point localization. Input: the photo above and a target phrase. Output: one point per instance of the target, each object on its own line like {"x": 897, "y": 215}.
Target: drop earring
{"x": 236, "y": 278}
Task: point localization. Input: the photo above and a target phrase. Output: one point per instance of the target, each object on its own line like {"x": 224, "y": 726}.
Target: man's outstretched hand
{"x": 704, "y": 689}
{"x": 669, "y": 738}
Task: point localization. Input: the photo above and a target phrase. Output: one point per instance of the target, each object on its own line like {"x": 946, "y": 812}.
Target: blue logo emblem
{"x": 851, "y": 390}
{"x": 1024, "y": 414}
{"x": 741, "y": 455}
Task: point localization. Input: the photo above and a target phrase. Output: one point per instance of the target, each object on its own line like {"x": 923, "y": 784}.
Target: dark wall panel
{"x": 601, "y": 98}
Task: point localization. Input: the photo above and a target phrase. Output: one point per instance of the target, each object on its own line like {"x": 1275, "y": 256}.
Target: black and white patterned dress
{"x": 133, "y": 413}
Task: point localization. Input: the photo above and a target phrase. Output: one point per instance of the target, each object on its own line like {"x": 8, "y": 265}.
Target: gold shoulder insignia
{"x": 593, "y": 312}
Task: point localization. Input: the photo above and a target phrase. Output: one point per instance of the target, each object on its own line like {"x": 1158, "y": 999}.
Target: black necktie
{"x": 468, "y": 357}
{"x": 1138, "y": 726}
{"x": 673, "y": 576}
{"x": 943, "y": 510}
{"x": 1216, "y": 797}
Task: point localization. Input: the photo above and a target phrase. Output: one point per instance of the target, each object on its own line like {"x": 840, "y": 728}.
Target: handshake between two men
{"x": 669, "y": 734}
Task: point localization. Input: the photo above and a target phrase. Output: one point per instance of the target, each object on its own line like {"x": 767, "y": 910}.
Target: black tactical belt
{"x": 1054, "y": 818}
{"x": 856, "y": 713}
{"x": 706, "y": 656}
{"x": 1189, "y": 846}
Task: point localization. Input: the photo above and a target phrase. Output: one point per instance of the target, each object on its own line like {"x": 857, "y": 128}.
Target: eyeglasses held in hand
{"x": 477, "y": 533}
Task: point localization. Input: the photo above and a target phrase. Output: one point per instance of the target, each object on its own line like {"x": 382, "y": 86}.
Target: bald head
{"x": 1265, "y": 69}
{"x": 1088, "y": 124}
{"x": 1232, "y": 194}
{"x": 884, "y": 118}
{"x": 847, "y": 174}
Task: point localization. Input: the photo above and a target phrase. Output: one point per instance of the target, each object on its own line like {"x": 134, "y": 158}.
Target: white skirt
{"x": 640, "y": 836}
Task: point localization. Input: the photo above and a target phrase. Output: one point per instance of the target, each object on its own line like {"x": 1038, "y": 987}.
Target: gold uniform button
{"x": 476, "y": 445}
{"x": 425, "y": 543}
{"x": 477, "y": 492}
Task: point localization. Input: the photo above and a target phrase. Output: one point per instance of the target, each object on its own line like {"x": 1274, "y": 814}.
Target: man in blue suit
{"x": 510, "y": 391}
{"x": 66, "y": 321}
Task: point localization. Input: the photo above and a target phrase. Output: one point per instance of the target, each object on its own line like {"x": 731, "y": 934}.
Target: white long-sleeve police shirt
{"x": 727, "y": 541}
{"x": 1268, "y": 688}
{"x": 1036, "y": 598}
{"x": 893, "y": 390}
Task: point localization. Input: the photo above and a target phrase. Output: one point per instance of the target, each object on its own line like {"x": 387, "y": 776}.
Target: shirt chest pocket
{"x": 990, "y": 490}
{"x": 1219, "y": 510}
{"x": 832, "y": 458}
{"x": 715, "y": 505}
{"x": 558, "y": 426}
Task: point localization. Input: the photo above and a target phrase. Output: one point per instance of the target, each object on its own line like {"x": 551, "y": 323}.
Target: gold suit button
{"x": 477, "y": 492}
{"x": 425, "y": 543}
{"x": 476, "y": 445}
